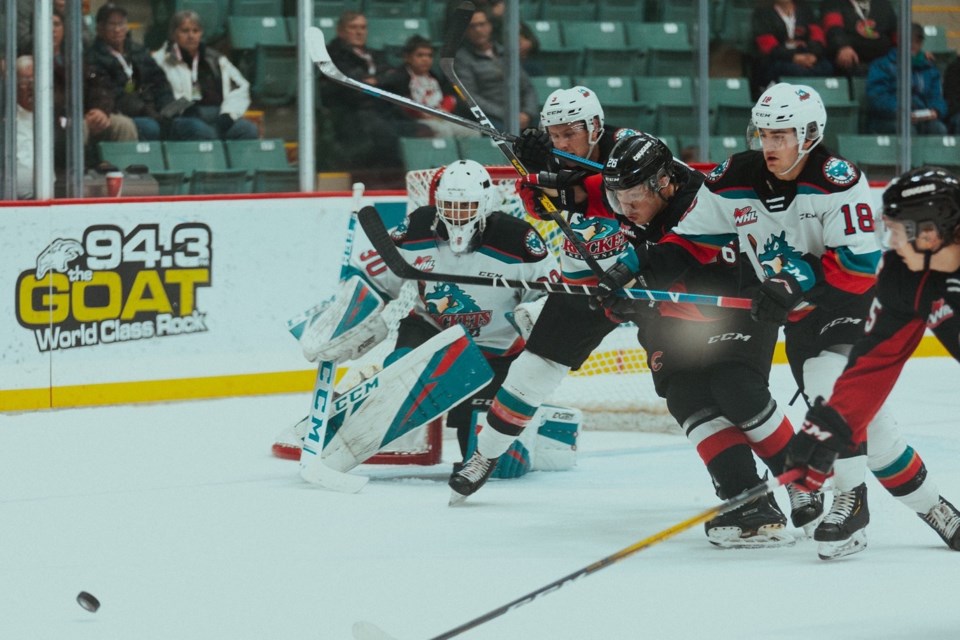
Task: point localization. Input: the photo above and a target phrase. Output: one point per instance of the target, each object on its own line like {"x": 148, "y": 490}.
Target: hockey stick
{"x": 459, "y": 22}
{"x": 369, "y": 631}
{"x": 378, "y": 235}
{"x": 312, "y": 467}
{"x": 317, "y": 49}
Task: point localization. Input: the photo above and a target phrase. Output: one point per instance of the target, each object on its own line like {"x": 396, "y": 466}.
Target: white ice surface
{"x": 180, "y": 521}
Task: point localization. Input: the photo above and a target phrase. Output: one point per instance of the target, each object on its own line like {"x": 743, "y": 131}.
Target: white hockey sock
{"x": 491, "y": 443}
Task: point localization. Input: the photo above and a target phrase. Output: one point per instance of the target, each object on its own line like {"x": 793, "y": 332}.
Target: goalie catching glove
{"x": 823, "y": 436}
{"x": 349, "y": 327}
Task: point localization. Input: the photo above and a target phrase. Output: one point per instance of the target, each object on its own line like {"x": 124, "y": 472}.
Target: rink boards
{"x": 143, "y": 300}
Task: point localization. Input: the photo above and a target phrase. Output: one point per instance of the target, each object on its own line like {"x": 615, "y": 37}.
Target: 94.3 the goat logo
{"x": 113, "y": 287}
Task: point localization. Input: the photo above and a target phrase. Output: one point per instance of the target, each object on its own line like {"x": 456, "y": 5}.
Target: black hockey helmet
{"x": 924, "y": 195}
{"x": 637, "y": 159}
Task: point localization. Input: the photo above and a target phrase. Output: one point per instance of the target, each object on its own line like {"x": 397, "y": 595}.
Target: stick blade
{"x": 319, "y": 474}
{"x": 364, "y": 630}
{"x": 316, "y": 45}
{"x": 459, "y": 21}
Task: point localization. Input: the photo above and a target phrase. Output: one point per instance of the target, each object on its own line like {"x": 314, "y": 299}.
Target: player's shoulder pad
{"x": 510, "y": 235}
{"x": 831, "y": 173}
{"x": 739, "y": 169}
{"x": 417, "y": 226}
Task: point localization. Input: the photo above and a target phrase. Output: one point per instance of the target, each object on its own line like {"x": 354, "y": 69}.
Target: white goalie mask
{"x": 464, "y": 199}
{"x": 789, "y": 106}
{"x": 576, "y": 104}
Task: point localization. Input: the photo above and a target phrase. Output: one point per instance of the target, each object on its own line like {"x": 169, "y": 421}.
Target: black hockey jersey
{"x": 906, "y": 304}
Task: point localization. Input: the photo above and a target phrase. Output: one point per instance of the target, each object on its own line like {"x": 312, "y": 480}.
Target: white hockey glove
{"x": 349, "y": 327}
{"x": 525, "y": 316}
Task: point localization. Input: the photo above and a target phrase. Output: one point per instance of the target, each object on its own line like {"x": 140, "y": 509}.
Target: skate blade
{"x": 764, "y": 538}
{"x": 456, "y": 498}
{"x": 842, "y": 548}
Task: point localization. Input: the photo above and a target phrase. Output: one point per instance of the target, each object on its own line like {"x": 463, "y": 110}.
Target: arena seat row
{"x": 208, "y": 166}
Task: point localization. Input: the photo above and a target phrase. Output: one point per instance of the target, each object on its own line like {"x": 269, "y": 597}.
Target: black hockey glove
{"x": 614, "y": 279}
{"x": 535, "y": 151}
{"x": 776, "y": 298}
{"x": 823, "y": 436}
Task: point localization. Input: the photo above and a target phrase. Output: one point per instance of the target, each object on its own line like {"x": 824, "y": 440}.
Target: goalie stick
{"x": 317, "y": 49}
{"x": 459, "y": 22}
{"x": 312, "y": 467}
{"x": 368, "y": 631}
{"x": 379, "y": 237}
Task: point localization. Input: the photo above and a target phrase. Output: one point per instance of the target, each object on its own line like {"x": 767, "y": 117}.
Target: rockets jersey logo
{"x": 400, "y": 233}
{"x": 839, "y": 172}
{"x": 448, "y": 305}
{"x": 778, "y": 256}
{"x": 602, "y": 236}
{"x": 744, "y": 216}
{"x": 940, "y": 312}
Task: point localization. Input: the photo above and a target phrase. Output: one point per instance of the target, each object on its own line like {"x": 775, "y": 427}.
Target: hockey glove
{"x": 614, "y": 279}
{"x": 776, "y": 298}
{"x": 823, "y": 436}
{"x": 562, "y": 181}
{"x": 534, "y": 150}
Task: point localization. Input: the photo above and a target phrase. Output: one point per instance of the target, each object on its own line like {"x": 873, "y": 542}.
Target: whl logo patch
{"x": 940, "y": 312}
{"x": 744, "y": 216}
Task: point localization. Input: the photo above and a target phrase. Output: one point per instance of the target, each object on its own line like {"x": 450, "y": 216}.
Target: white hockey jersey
{"x": 509, "y": 247}
{"x": 819, "y": 228}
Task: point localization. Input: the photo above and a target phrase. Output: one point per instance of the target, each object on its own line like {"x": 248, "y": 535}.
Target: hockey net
{"x": 613, "y": 388}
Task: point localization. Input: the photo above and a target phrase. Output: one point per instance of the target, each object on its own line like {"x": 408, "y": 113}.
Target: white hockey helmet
{"x": 464, "y": 198}
{"x": 576, "y": 104}
{"x": 790, "y": 106}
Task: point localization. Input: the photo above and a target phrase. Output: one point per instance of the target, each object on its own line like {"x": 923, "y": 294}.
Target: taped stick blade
{"x": 316, "y": 45}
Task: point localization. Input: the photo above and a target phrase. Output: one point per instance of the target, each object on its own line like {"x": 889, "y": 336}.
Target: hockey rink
{"x": 179, "y": 520}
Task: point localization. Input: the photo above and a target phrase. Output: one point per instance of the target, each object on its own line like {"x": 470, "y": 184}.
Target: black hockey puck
{"x": 88, "y": 601}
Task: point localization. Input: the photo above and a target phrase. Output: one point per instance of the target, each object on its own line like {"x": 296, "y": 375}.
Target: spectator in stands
{"x": 25, "y": 97}
{"x": 417, "y": 81}
{"x": 530, "y": 52}
{"x": 140, "y": 88}
{"x": 927, "y": 104}
{"x": 99, "y": 121}
{"x": 789, "y": 42}
{"x": 366, "y": 127}
{"x": 858, "y": 32}
{"x": 482, "y": 69}
{"x": 212, "y": 93}
{"x": 951, "y": 92}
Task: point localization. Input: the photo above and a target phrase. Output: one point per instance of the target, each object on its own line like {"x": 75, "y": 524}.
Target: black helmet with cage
{"x": 638, "y": 159}
{"x": 924, "y": 196}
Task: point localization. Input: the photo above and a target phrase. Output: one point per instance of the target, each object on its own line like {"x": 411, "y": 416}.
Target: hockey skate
{"x": 806, "y": 508}
{"x": 945, "y": 520}
{"x": 471, "y": 477}
{"x": 757, "y": 524}
{"x": 843, "y": 530}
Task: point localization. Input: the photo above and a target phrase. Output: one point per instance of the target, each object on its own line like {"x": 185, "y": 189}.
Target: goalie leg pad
{"x": 551, "y": 446}
{"x": 349, "y": 327}
{"x": 419, "y": 387}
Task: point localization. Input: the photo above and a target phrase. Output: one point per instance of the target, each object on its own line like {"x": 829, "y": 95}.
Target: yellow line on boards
{"x": 229, "y": 386}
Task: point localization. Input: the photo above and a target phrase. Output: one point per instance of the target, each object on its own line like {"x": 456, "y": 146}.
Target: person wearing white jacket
{"x": 211, "y": 95}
